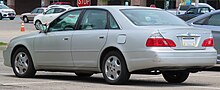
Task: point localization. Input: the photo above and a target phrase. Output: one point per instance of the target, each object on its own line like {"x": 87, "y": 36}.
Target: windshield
{"x": 4, "y": 7}
{"x": 144, "y": 17}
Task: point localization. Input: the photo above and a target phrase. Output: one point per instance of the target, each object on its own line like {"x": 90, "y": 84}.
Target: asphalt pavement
{"x": 206, "y": 80}
{"x": 12, "y": 28}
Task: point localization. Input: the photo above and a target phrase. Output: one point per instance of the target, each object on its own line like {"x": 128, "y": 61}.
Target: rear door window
{"x": 94, "y": 19}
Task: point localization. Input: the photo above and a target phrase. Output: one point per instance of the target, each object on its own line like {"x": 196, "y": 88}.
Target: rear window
{"x": 145, "y": 17}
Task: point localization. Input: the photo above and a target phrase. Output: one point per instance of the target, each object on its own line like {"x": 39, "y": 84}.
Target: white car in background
{"x": 6, "y": 12}
{"x": 182, "y": 8}
{"x": 50, "y": 14}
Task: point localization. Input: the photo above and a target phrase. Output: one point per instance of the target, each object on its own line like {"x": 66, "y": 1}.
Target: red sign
{"x": 81, "y": 3}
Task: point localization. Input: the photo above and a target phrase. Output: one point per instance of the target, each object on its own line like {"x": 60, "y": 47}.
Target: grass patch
{"x": 3, "y": 44}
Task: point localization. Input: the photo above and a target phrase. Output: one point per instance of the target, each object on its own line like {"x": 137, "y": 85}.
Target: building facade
{"x": 22, "y": 6}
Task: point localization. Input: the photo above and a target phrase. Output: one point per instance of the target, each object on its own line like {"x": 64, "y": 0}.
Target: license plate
{"x": 188, "y": 41}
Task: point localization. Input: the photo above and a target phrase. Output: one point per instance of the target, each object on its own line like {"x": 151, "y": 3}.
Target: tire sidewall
{"x": 30, "y": 71}
{"x": 25, "y": 19}
{"x": 36, "y": 24}
{"x": 124, "y": 75}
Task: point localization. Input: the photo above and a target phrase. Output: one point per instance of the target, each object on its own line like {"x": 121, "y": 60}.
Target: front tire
{"x": 175, "y": 76}
{"x": 22, "y": 63}
{"x": 37, "y": 24}
{"x": 114, "y": 68}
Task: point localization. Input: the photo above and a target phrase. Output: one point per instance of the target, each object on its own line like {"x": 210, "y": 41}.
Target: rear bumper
{"x": 173, "y": 59}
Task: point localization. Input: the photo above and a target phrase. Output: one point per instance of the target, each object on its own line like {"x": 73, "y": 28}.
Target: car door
{"x": 53, "y": 48}
{"x": 90, "y": 38}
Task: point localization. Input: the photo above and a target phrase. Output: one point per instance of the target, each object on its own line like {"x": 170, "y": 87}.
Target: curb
{"x": 3, "y": 47}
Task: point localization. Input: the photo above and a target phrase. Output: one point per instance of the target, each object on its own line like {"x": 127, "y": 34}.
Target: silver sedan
{"x": 209, "y": 21}
{"x": 116, "y": 41}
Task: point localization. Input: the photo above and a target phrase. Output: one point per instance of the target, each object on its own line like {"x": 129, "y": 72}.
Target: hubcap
{"x": 21, "y": 63}
{"x": 113, "y": 68}
{"x": 25, "y": 19}
{"x": 38, "y": 24}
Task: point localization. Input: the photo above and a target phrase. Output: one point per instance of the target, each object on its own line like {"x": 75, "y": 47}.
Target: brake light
{"x": 208, "y": 42}
{"x": 160, "y": 42}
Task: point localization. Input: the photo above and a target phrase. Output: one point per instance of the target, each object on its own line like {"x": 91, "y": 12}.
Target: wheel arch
{"x": 105, "y": 51}
{"x": 16, "y": 48}
{"x": 36, "y": 21}
{"x": 24, "y": 16}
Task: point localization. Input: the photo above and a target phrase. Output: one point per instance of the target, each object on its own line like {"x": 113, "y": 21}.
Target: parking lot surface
{"x": 206, "y": 80}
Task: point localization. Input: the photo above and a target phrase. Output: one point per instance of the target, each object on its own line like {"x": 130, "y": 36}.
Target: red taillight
{"x": 160, "y": 42}
{"x": 208, "y": 42}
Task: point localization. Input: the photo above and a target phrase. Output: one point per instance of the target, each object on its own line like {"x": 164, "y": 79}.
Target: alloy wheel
{"x": 113, "y": 68}
{"x": 21, "y": 63}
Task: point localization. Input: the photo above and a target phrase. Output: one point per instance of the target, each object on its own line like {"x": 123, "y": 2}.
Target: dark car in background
{"x": 194, "y": 12}
{"x": 26, "y": 17}
{"x": 209, "y": 21}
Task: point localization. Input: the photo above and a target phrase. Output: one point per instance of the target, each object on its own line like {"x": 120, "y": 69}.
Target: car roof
{"x": 120, "y": 7}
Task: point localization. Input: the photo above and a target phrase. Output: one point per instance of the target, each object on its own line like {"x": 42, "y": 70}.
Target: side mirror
{"x": 43, "y": 27}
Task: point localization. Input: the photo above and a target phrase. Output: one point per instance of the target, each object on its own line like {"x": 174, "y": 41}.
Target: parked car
{"x": 115, "y": 41}
{"x": 26, "y": 17}
{"x": 182, "y": 8}
{"x": 61, "y": 3}
{"x": 6, "y": 12}
{"x": 49, "y": 15}
{"x": 194, "y": 12}
{"x": 209, "y": 21}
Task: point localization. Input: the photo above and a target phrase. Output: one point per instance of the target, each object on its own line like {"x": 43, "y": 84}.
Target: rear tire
{"x": 25, "y": 19}
{"x": 114, "y": 68}
{"x": 22, "y": 63}
{"x": 175, "y": 76}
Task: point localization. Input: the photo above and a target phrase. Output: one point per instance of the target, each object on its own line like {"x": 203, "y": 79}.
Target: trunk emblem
{"x": 188, "y": 34}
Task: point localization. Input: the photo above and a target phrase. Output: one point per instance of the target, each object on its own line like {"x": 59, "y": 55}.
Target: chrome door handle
{"x": 66, "y": 38}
